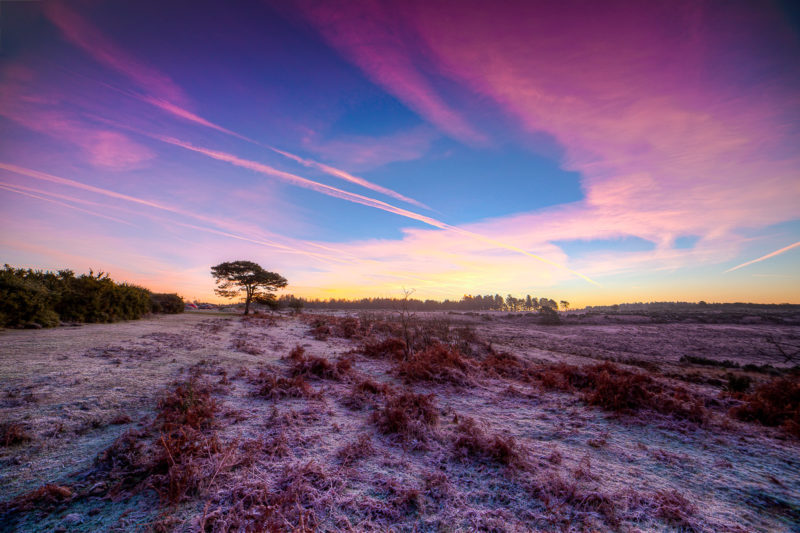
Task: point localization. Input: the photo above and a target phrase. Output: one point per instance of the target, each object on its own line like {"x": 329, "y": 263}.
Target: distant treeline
{"x": 466, "y": 303}
{"x": 32, "y": 298}
{"x": 690, "y": 306}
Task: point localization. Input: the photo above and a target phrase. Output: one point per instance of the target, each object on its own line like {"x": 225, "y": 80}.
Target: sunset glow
{"x": 592, "y": 152}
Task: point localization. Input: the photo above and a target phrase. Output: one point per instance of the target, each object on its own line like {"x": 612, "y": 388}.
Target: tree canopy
{"x": 236, "y": 277}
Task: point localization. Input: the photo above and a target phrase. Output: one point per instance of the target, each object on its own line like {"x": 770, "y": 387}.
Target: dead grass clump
{"x": 259, "y": 319}
{"x": 319, "y": 367}
{"x": 323, "y": 326}
{"x": 570, "y": 501}
{"x": 243, "y": 345}
{"x": 274, "y": 387}
{"x": 503, "y": 365}
{"x": 776, "y": 403}
{"x": 119, "y": 419}
{"x": 298, "y": 353}
{"x": 13, "y": 433}
{"x": 675, "y": 509}
{"x": 364, "y": 393}
{"x": 321, "y": 332}
{"x": 190, "y": 404}
{"x": 293, "y": 505}
{"x": 438, "y": 363}
{"x": 45, "y": 497}
{"x": 393, "y": 348}
{"x": 409, "y": 416}
{"x": 212, "y": 326}
{"x": 616, "y": 389}
{"x": 354, "y": 451}
{"x": 472, "y": 442}
{"x": 124, "y": 464}
{"x": 179, "y": 467}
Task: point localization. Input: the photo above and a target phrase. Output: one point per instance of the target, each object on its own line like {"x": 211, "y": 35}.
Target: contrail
{"x": 333, "y": 171}
{"x": 159, "y": 90}
{"x": 763, "y": 257}
{"x": 359, "y": 199}
{"x": 12, "y": 188}
{"x": 29, "y": 191}
{"x": 112, "y": 194}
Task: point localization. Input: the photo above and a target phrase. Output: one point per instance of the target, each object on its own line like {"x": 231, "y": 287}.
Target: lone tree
{"x": 234, "y": 277}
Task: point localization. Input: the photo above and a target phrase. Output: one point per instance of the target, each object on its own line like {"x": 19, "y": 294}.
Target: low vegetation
{"x": 33, "y": 298}
{"x": 431, "y": 423}
{"x": 616, "y": 389}
{"x": 776, "y": 403}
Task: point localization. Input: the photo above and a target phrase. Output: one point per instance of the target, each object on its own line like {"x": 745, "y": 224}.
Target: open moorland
{"x": 392, "y": 421}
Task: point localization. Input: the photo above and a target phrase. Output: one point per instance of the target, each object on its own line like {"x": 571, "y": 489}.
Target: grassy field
{"x": 458, "y": 422}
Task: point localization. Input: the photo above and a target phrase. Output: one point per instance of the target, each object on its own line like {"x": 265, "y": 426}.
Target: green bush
{"x": 35, "y": 297}
{"x": 169, "y": 303}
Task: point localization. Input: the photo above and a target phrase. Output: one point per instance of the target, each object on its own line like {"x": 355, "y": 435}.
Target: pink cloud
{"x": 644, "y": 103}
{"x": 365, "y": 153}
{"x": 26, "y": 103}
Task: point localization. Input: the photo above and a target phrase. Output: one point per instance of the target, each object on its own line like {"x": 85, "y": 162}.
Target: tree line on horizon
{"x": 467, "y": 302}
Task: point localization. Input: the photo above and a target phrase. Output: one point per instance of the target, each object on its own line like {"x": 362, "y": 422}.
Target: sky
{"x": 594, "y": 152}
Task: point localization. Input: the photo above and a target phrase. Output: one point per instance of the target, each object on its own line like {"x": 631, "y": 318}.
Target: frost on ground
{"x": 351, "y": 422}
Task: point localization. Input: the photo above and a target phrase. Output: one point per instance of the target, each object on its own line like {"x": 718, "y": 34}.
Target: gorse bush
{"x": 34, "y": 297}
{"x": 169, "y": 303}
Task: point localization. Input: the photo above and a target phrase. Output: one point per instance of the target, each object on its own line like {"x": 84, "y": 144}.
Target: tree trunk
{"x": 247, "y": 304}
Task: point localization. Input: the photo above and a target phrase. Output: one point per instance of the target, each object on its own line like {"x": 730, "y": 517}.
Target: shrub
{"x": 44, "y": 298}
{"x": 697, "y": 360}
{"x": 738, "y": 384}
{"x": 438, "y": 363}
{"x": 776, "y": 403}
{"x": 410, "y": 416}
{"x": 169, "y": 303}
{"x": 549, "y": 316}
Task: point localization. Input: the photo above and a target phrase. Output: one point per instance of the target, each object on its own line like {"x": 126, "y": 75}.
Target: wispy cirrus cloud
{"x": 665, "y": 147}
{"x": 362, "y": 152}
{"x": 163, "y": 93}
{"x": 221, "y": 227}
{"x": 42, "y": 195}
{"x": 104, "y": 50}
{"x": 349, "y": 177}
{"x": 370, "y": 35}
{"x": 365, "y": 200}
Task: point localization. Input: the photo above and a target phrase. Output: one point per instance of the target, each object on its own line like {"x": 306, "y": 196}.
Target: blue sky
{"x": 610, "y": 154}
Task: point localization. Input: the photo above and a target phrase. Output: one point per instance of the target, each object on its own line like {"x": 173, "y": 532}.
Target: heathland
{"x": 444, "y": 421}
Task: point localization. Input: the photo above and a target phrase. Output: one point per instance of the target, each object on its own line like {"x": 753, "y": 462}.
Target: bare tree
{"x": 407, "y": 319}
